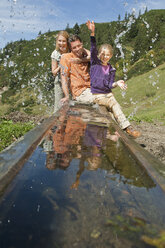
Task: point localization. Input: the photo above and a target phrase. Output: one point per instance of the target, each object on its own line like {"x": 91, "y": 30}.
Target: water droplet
{"x": 38, "y": 208}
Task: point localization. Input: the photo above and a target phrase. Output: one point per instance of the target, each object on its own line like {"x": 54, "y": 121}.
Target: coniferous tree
{"x": 132, "y": 33}
{"x": 142, "y": 43}
{"x": 76, "y": 29}
{"x": 67, "y": 28}
{"x": 146, "y": 10}
{"x": 126, "y": 17}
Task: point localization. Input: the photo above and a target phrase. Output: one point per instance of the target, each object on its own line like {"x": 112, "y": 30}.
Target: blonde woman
{"x": 61, "y": 48}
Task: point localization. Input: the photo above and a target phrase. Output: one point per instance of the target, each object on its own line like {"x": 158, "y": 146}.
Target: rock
{"x": 95, "y": 234}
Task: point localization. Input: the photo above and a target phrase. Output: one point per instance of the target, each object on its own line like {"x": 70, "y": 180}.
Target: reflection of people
{"x": 57, "y": 160}
{"x": 94, "y": 140}
{"x": 68, "y": 134}
{"x": 61, "y": 47}
{"x": 102, "y": 81}
{"x": 65, "y": 137}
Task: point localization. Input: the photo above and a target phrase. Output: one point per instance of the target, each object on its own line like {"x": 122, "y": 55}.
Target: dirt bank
{"x": 152, "y": 138}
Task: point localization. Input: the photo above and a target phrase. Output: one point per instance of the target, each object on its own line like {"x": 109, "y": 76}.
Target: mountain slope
{"x": 25, "y": 66}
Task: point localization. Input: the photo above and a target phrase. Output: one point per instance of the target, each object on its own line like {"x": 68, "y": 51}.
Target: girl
{"x": 61, "y": 47}
{"x": 102, "y": 77}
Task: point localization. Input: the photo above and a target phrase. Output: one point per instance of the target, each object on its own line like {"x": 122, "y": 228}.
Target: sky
{"x": 24, "y": 19}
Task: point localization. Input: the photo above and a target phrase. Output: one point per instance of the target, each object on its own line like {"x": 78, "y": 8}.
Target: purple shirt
{"x": 101, "y": 76}
{"x": 94, "y": 136}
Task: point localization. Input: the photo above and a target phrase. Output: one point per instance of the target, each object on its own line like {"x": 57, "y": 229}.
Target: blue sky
{"x": 25, "y": 18}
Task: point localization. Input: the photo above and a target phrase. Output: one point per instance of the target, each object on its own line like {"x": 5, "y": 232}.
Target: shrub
{"x": 10, "y": 132}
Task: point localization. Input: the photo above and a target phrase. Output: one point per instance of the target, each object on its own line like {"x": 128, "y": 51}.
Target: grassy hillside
{"x": 25, "y": 66}
{"x": 145, "y": 96}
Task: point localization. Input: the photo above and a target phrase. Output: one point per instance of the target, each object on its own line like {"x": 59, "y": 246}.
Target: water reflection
{"x": 94, "y": 145}
{"x": 114, "y": 196}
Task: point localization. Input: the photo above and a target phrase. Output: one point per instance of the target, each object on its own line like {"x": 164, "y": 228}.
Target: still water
{"x": 81, "y": 188}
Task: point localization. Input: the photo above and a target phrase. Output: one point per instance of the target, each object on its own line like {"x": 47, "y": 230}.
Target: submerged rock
{"x": 95, "y": 234}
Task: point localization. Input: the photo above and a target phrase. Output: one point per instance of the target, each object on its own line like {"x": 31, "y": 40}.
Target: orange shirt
{"x": 69, "y": 135}
{"x": 77, "y": 73}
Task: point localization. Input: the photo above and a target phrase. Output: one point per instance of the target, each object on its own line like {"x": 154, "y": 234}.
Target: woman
{"x": 61, "y": 47}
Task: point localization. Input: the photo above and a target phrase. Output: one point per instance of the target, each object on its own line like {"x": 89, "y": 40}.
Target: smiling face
{"x": 77, "y": 48}
{"x": 105, "y": 55}
{"x": 62, "y": 44}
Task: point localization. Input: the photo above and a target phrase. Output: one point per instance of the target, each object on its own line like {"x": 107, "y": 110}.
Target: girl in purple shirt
{"x": 102, "y": 76}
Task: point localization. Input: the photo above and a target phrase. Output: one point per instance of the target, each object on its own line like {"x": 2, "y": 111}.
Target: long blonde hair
{"x": 66, "y": 36}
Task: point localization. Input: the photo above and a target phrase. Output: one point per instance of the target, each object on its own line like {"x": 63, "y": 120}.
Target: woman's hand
{"x": 64, "y": 100}
{"x": 122, "y": 84}
{"x": 55, "y": 67}
{"x": 79, "y": 61}
{"x": 75, "y": 60}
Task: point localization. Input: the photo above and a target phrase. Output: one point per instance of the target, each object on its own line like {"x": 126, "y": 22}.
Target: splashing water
{"x": 119, "y": 46}
{"x": 154, "y": 81}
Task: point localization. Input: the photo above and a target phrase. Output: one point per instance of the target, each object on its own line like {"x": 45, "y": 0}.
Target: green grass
{"x": 23, "y": 100}
{"x": 10, "y": 132}
{"x": 145, "y": 96}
